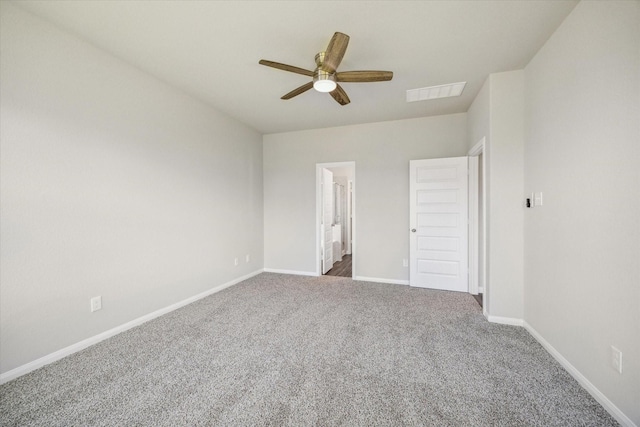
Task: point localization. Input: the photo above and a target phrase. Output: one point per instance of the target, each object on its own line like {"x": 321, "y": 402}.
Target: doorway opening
{"x": 335, "y": 219}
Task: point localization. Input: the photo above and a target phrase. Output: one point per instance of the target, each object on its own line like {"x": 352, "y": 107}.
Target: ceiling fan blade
{"x": 364, "y": 76}
{"x": 286, "y": 67}
{"x": 335, "y": 51}
{"x": 298, "y": 91}
{"x": 340, "y": 95}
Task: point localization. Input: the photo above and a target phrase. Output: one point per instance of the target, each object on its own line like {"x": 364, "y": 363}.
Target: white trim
{"x": 379, "y": 280}
{"x": 474, "y": 276}
{"x": 292, "y": 272}
{"x": 582, "y": 380}
{"x": 481, "y": 148}
{"x": 505, "y": 320}
{"x": 57, "y": 355}
{"x": 477, "y": 149}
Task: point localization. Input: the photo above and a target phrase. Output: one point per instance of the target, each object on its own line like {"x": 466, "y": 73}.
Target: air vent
{"x": 435, "y": 92}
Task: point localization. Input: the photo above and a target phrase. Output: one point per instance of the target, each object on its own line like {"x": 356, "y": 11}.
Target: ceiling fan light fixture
{"x": 324, "y": 81}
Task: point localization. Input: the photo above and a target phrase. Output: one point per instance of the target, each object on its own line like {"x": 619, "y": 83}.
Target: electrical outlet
{"x": 96, "y": 303}
{"x": 247, "y": 258}
{"x": 235, "y": 261}
{"x": 616, "y": 359}
{"x": 405, "y": 262}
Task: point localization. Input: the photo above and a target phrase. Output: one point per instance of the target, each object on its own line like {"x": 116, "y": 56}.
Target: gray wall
{"x": 478, "y": 116}
{"x": 382, "y": 152}
{"x": 582, "y": 247}
{"x": 505, "y": 202}
{"x": 112, "y": 184}
{"x": 497, "y": 114}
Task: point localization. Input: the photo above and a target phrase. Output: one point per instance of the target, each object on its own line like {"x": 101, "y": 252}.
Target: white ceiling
{"x": 210, "y": 49}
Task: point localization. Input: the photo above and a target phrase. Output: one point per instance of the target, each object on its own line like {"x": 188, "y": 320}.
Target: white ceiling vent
{"x": 435, "y": 92}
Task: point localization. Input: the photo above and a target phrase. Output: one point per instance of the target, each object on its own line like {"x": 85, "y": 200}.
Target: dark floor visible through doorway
{"x": 341, "y": 268}
{"x": 478, "y": 298}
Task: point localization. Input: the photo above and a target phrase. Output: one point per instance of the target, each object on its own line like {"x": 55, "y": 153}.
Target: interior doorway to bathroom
{"x": 335, "y": 219}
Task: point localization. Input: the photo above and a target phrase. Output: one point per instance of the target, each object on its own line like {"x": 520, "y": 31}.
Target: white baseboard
{"x": 57, "y": 355}
{"x": 582, "y": 380}
{"x": 293, "y": 272}
{"x": 504, "y": 320}
{"x": 379, "y": 280}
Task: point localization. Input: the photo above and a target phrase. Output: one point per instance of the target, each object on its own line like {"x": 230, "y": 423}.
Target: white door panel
{"x": 438, "y": 222}
{"x": 327, "y": 219}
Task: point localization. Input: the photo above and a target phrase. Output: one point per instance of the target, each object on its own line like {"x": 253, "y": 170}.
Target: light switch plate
{"x": 537, "y": 201}
{"x": 616, "y": 359}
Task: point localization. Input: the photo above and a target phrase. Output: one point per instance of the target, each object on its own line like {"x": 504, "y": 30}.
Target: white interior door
{"x": 327, "y": 219}
{"x": 438, "y": 240}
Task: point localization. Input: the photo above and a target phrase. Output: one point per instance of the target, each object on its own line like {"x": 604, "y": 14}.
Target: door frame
{"x": 475, "y": 259}
{"x": 318, "y": 223}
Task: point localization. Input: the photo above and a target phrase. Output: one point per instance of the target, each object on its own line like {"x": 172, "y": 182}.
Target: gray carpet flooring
{"x": 306, "y": 351}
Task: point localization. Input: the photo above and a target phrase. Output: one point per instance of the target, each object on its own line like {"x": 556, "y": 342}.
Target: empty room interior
{"x": 320, "y": 213}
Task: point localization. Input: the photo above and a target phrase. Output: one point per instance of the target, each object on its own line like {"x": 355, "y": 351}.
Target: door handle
{"x": 413, "y": 230}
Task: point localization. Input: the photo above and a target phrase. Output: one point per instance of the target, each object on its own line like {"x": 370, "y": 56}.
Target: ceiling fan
{"x": 325, "y": 77}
